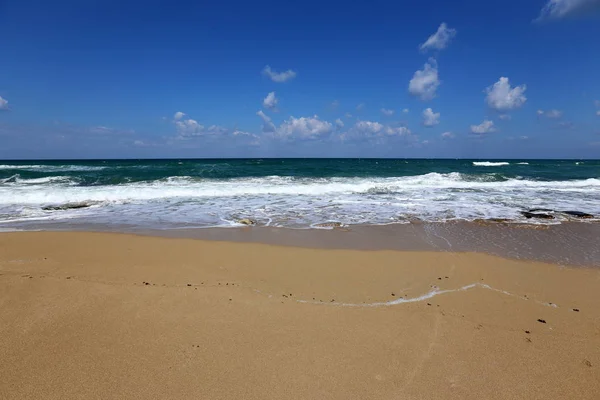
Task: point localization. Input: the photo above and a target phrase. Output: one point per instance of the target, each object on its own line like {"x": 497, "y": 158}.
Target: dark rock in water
{"x": 247, "y": 221}
{"x": 578, "y": 214}
{"x": 546, "y": 210}
{"x": 67, "y": 206}
{"x": 529, "y": 215}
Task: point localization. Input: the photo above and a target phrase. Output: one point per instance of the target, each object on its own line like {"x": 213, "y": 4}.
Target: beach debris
{"x": 587, "y": 363}
{"x": 576, "y": 309}
{"x": 247, "y": 221}
{"x": 529, "y": 215}
{"x": 528, "y": 332}
{"x": 67, "y": 206}
{"x": 528, "y": 339}
{"x": 428, "y": 304}
{"x": 543, "y": 321}
{"x": 393, "y": 294}
{"x": 189, "y": 284}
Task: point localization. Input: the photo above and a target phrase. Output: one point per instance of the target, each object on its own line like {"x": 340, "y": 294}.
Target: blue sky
{"x": 438, "y": 78}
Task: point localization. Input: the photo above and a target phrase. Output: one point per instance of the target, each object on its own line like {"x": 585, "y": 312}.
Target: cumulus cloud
{"x": 440, "y": 39}
{"x": 425, "y": 82}
{"x": 486, "y": 126}
{"x": 304, "y": 128}
{"x": 270, "y": 101}
{"x": 405, "y": 111}
{"x": 278, "y": 77}
{"x": 371, "y": 129}
{"x": 502, "y": 97}
{"x": 3, "y": 104}
{"x": 557, "y": 9}
{"x": 447, "y": 135}
{"x": 505, "y": 117}
{"x": 268, "y": 125}
{"x": 189, "y": 127}
{"x": 387, "y": 111}
{"x": 430, "y": 118}
{"x": 339, "y": 123}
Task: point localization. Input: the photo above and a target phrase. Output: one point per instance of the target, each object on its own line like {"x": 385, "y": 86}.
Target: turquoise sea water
{"x": 296, "y": 193}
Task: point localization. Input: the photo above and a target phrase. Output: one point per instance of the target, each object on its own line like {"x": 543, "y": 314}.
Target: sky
{"x": 436, "y": 78}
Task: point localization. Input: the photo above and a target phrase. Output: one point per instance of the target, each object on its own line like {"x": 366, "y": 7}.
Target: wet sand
{"x": 102, "y": 315}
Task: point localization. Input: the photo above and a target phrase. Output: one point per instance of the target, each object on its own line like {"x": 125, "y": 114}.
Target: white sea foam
{"x": 489, "y": 164}
{"x": 296, "y": 202}
{"x": 523, "y": 163}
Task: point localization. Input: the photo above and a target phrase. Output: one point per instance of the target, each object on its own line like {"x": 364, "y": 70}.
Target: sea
{"x": 291, "y": 193}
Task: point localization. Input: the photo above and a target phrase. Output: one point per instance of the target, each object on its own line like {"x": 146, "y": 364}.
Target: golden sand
{"x": 113, "y": 316}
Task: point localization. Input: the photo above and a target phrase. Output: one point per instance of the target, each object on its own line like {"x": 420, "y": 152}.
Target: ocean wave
{"x": 51, "y": 168}
{"x": 53, "y": 189}
{"x": 17, "y": 180}
{"x": 523, "y": 163}
{"x": 292, "y": 201}
{"x": 489, "y": 164}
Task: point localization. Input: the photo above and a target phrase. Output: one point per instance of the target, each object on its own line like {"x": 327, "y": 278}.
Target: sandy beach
{"x": 116, "y": 316}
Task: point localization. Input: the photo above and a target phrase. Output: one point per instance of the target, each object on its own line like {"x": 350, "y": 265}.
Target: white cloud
{"x": 178, "y": 115}
{"x": 406, "y": 111}
{"x": 440, "y": 39}
{"x": 425, "y": 82}
{"x": 502, "y": 97}
{"x": 360, "y": 107}
{"x": 505, "y": 117}
{"x": 339, "y": 123}
{"x": 270, "y": 101}
{"x": 486, "y": 126}
{"x": 371, "y": 129}
{"x": 304, "y": 128}
{"x": 3, "y": 104}
{"x": 556, "y": 9}
{"x": 430, "y": 118}
{"x": 189, "y": 127}
{"x": 278, "y": 77}
{"x": 598, "y": 113}
{"x": 447, "y": 135}
{"x": 597, "y": 103}
{"x": 387, "y": 111}
{"x": 554, "y": 114}
{"x": 524, "y": 137}
{"x": 268, "y": 125}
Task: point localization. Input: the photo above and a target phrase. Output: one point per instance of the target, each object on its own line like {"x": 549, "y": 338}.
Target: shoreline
{"x": 567, "y": 243}
{"x": 104, "y": 315}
